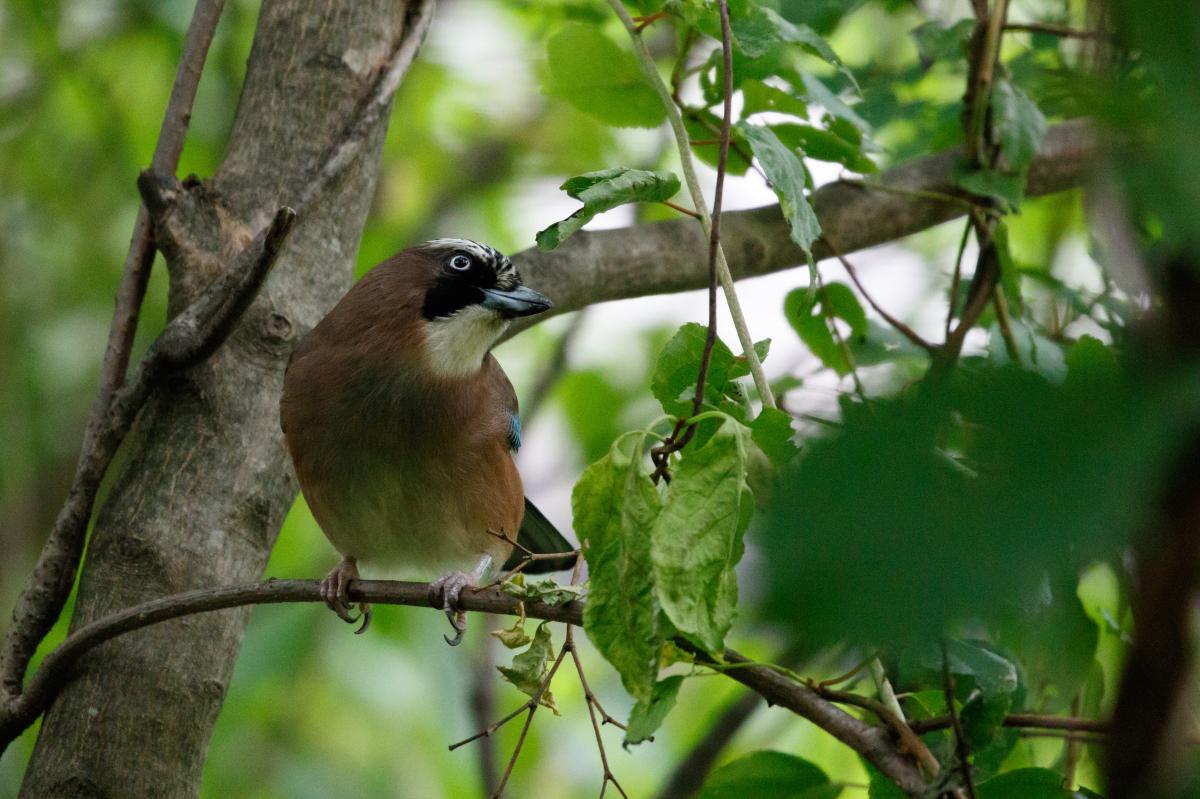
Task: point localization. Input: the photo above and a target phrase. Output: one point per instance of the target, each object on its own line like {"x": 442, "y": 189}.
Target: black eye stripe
{"x": 448, "y": 297}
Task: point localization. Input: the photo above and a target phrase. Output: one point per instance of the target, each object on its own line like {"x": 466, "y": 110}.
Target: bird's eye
{"x": 460, "y": 263}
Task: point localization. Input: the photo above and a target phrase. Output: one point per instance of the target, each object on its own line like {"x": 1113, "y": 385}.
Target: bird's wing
{"x": 539, "y": 535}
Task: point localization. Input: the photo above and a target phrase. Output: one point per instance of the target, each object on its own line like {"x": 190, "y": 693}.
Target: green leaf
{"x": 529, "y": 668}
{"x": 802, "y": 312}
{"x": 1056, "y": 480}
{"x": 1024, "y": 783}
{"x": 648, "y": 715}
{"x": 839, "y": 300}
{"x": 697, "y": 539}
{"x": 604, "y": 190}
{"x": 1020, "y": 127}
{"x": 788, "y": 178}
{"x": 545, "y": 590}
{"x": 674, "y": 380}
{"x": 824, "y": 145}
{"x": 615, "y": 506}
{"x": 1008, "y": 189}
{"x": 514, "y": 637}
{"x": 758, "y": 97}
{"x": 741, "y": 364}
{"x": 772, "y": 432}
{"x": 808, "y": 313}
{"x": 592, "y": 73}
{"x": 817, "y": 92}
{"x": 936, "y": 40}
{"x": 1090, "y": 361}
{"x": 763, "y": 28}
{"x": 766, "y": 775}
{"x": 1019, "y": 124}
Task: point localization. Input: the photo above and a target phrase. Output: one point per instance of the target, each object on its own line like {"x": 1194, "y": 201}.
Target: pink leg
{"x": 335, "y": 590}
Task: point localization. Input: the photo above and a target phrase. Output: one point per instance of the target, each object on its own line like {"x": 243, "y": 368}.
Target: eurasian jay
{"x": 402, "y": 426}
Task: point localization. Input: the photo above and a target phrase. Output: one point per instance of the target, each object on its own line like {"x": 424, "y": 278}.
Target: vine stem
{"x": 693, "y": 183}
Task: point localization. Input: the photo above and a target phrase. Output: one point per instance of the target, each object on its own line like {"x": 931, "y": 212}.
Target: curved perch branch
{"x": 873, "y": 743}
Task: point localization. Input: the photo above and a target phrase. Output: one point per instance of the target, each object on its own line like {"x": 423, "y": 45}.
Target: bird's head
{"x": 473, "y": 293}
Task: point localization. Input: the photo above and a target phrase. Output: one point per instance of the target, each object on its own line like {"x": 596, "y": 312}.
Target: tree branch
{"x": 43, "y": 597}
{"x": 664, "y": 257}
{"x": 873, "y": 743}
{"x": 190, "y": 337}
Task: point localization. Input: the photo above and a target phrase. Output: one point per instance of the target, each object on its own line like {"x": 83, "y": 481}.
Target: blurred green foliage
{"x": 993, "y": 507}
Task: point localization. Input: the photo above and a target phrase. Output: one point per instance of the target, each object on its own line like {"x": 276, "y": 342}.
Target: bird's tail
{"x": 539, "y": 535}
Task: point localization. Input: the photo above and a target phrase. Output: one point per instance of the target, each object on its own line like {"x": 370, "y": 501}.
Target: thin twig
{"x": 1000, "y": 303}
{"x": 909, "y": 740}
{"x": 681, "y": 209}
{"x": 1024, "y": 721}
{"x": 900, "y": 327}
{"x": 42, "y": 599}
{"x": 1064, "y": 31}
{"x": 956, "y": 280}
{"x": 1071, "y": 757}
{"x": 961, "y": 747}
{"x": 649, "y": 19}
{"x": 846, "y": 676}
{"x": 592, "y": 706}
{"x": 675, "y": 442}
{"x": 531, "y": 707}
{"x": 839, "y": 340}
{"x": 921, "y": 194}
{"x": 650, "y": 69}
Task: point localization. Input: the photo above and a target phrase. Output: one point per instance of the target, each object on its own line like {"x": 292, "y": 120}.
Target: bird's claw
{"x": 335, "y": 591}
{"x": 447, "y": 592}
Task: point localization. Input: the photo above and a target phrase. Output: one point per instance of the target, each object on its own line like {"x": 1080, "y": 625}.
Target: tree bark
{"x": 206, "y": 483}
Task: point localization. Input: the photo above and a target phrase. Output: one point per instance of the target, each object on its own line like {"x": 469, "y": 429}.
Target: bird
{"x": 403, "y": 428}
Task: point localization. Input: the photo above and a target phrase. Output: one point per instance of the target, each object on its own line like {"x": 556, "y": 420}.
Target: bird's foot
{"x": 335, "y": 590}
{"x": 447, "y": 592}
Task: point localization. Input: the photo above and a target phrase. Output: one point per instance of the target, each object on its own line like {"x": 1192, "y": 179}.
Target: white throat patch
{"x": 455, "y": 346}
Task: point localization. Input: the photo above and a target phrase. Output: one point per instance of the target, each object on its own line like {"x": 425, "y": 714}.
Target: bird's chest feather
{"x": 413, "y": 475}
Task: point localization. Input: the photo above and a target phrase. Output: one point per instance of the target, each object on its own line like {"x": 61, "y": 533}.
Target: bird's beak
{"x": 518, "y": 301}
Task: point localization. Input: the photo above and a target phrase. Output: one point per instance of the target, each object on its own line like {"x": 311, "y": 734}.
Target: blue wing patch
{"x": 514, "y": 431}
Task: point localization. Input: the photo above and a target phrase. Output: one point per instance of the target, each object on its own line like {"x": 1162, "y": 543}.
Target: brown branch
{"x": 661, "y": 454}
{"x": 664, "y": 257}
{"x": 191, "y": 336}
{"x": 1022, "y": 721}
{"x": 908, "y": 738}
{"x": 901, "y": 327}
{"x": 593, "y": 705}
{"x": 681, "y": 209}
{"x": 1064, "y": 31}
{"x": 961, "y": 748}
{"x": 42, "y": 599}
{"x": 871, "y": 742}
{"x": 956, "y": 280}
